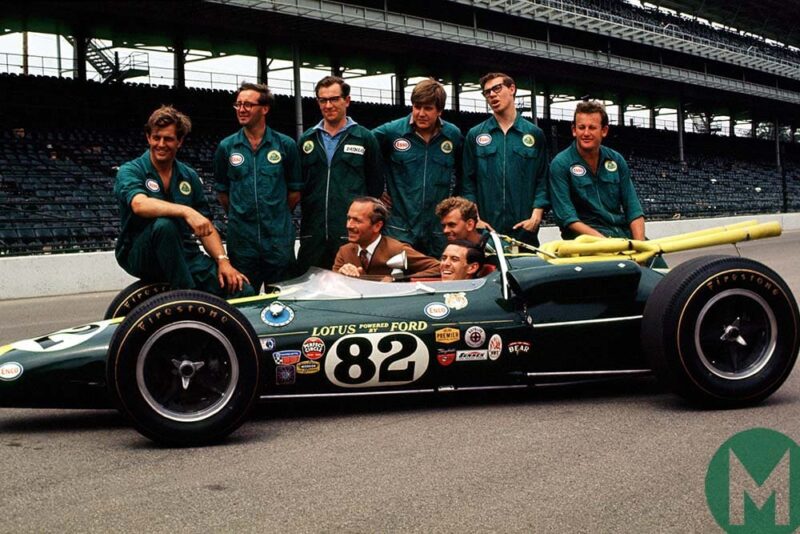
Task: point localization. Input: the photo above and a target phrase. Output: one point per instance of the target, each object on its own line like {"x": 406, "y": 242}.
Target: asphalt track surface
{"x": 624, "y": 456}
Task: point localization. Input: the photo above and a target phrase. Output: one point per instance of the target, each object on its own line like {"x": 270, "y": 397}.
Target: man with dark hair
{"x": 161, "y": 204}
{"x": 461, "y": 260}
{"x": 368, "y": 251}
{"x": 459, "y": 219}
{"x": 506, "y": 164}
{"x": 258, "y": 183}
{"x": 590, "y": 185}
{"x": 340, "y": 161}
{"x": 422, "y": 153}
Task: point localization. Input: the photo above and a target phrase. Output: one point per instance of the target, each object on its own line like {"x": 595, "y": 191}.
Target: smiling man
{"x": 258, "y": 182}
{"x": 340, "y": 161}
{"x": 423, "y": 166}
{"x": 590, "y": 185}
{"x": 162, "y": 203}
{"x": 505, "y": 164}
{"x": 461, "y": 260}
{"x": 368, "y": 251}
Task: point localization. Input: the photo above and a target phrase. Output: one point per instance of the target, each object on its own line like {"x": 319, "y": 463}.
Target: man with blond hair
{"x": 459, "y": 219}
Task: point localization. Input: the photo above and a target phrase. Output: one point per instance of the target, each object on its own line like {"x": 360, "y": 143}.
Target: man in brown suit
{"x": 368, "y": 251}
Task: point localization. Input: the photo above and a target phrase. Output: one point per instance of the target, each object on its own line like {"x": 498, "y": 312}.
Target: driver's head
{"x": 365, "y": 220}
{"x": 461, "y": 260}
{"x": 459, "y": 219}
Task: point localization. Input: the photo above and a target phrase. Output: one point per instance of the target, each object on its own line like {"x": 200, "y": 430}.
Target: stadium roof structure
{"x": 548, "y": 45}
{"x": 774, "y": 19}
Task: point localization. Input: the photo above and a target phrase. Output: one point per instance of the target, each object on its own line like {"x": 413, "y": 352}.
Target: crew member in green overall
{"x": 340, "y": 161}
{"x": 258, "y": 183}
{"x": 162, "y": 204}
{"x": 422, "y": 154}
{"x": 506, "y": 165}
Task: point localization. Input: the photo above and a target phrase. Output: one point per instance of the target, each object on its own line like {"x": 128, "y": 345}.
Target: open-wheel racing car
{"x": 186, "y": 367}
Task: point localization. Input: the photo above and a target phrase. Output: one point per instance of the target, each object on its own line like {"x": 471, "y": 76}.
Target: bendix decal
{"x": 475, "y": 336}
{"x": 354, "y": 149}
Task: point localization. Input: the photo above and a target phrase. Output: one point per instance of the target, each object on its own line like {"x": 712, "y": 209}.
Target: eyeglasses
{"x": 493, "y": 89}
{"x": 246, "y": 105}
{"x": 331, "y": 99}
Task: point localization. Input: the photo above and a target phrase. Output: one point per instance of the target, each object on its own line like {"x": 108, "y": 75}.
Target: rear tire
{"x": 133, "y": 295}
{"x": 184, "y": 368}
{"x": 722, "y": 331}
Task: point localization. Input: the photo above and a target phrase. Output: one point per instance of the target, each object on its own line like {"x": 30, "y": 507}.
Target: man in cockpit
{"x": 461, "y": 260}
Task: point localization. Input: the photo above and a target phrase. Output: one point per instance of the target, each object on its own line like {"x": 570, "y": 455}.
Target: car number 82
{"x": 371, "y": 360}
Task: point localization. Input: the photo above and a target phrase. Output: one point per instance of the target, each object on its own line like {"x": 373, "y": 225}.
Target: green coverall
{"x": 419, "y": 175}
{"x": 506, "y": 174}
{"x": 260, "y": 234}
{"x": 162, "y": 248}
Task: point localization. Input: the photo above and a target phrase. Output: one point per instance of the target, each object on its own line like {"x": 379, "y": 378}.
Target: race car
{"x": 186, "y": 367}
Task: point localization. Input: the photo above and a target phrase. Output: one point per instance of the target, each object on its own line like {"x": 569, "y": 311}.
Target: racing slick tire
{"x": 133, "y": 295}
{"x": 184, "y": 368}
{"x": 721, "y": 331}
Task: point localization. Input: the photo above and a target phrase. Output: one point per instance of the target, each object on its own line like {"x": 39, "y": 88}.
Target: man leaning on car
{"x": 162, "y": 203}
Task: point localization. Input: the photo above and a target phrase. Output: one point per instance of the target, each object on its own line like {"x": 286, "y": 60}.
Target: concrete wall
{"x": 64, "y": 274}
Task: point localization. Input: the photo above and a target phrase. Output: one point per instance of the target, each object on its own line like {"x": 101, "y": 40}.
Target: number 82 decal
{"x": 372, "y": 360}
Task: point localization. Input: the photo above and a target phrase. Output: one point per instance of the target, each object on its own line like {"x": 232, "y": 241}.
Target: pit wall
{"x": 66, "y": 274}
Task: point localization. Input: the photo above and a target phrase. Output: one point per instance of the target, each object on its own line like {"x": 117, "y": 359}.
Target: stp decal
{"x": 374, "y": 360}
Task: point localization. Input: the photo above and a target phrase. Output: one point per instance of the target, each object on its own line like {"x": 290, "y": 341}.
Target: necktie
{"x": 364, "y": 260}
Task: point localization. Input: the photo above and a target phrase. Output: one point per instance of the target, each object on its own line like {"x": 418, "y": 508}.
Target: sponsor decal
{"x": 495, "y": 347}
{"x": 456, "y": 301}
{"x": 519, "y": 347}
{"x": 448, "y": 335}
{"x": 277, "y": 314}
{"x": 402, "y": 144}
{"x": 483, "y": 139}
{"x": 152, "y": 185}
{"x": 313, "y": 348}
{"x": 611, "y": 166}
{"x": 354, "y": 149}
{"x": 308, "y": 367}
{"x": 528, "y": 140}
{"x": 273, "y": 156}
{"x": 236, "y": 159}
{"x": 10, "y": 371}
{"x": 393, "y": 326}
{"x": 446, "y": 357}
{"x": 447, "y": 147}
{"x": 308, "y": 147}
{"x": 437, "y": 310}
{"x": 185, "y": 188}
{"x": 267, "y": 343}
{"x": 471, "y": 355}
{"x": 376, "y": 360}
{"x": 286, "y": 357}
{"x": 475, "y": 336}
{"x": 284, "y": 375}
{"x": 578, "y": 170}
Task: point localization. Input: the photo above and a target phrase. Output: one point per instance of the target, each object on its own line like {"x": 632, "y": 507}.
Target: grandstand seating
{"x": 56, "y": 182}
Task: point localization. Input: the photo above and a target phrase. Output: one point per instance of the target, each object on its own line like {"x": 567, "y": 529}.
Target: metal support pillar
{"x": 455, "y": 99}
{"x": 753, "y": 128}
{"x": 263, "y": 65}
{"x": 399, "y": 94}
{"x": 653, "y": 114}
{"x": 621, "y": 112}
{"x": 298, "y": 97}
{"x": 534, "y": 110}
{"x": 778, "y": 144}
{"x": 79, "y": 55}
{"x": 546, "y": 104}
{"x": 680, "y": 132}
{"x": 179, "y": 64}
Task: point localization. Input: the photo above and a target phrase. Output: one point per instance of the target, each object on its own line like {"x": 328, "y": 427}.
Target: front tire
{"x": 722, "y": 331}
{"x": 184, "y": 368}
{"x": 133, "y": 295}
